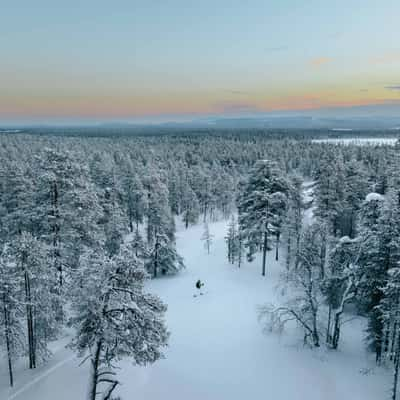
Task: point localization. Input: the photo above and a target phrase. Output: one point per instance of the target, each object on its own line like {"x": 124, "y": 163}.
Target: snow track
{"x": 38, "y": 378}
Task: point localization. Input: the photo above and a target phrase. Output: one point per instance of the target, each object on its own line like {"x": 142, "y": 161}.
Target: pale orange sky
{"x": 100, "y": 60}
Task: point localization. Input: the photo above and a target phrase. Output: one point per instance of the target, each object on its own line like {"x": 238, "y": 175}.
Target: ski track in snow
{"x": 40, "y": 377}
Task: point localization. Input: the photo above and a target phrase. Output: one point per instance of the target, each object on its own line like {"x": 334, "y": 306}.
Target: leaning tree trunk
{"x": 328, "y": 329}
{"x": 94, "y": 373}
{"x": 336, "y": 331}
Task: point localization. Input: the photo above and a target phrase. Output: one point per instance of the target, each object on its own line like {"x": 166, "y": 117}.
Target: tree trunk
{"x": 288, "y": 255}
{"x": 130, "y": 223}
{"x": 396, "y": 370}
{"x": 240, "y": 252}
{"x": 56, "y": 232}
{"x": 336, "y": 331}
{"x": 94, "y": 372}
{"x": 264, "y": 252}
{"x": 278, "y": 237}
{"x": 328, "y": 329}
{"x": 315, "y": 334}
{"x": 297, "y": 257}
{"x": 8, "y": 339}
{"x": 29, "y": 317}
{"x": 205, "y": 212}
{"x": 393, "y": 340}
{"x": 155, "y": 258}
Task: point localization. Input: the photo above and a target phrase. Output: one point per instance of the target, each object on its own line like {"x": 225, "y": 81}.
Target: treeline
{"x": 84, "y": 221}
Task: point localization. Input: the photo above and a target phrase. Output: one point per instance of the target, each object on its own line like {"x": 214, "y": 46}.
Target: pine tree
{"x": 304, "y": 306}
{"x": 17, "y": 199}
{"x": 380, "y": 230}
{"x": 114, "y": 318}
{"x": 66, "y": 209}
{"x": 135, "y": 201}
{"x": 261, "y": 204}
{"x": 11, "y": 312}
{"x": 163, "y": 257}
{"x": 38, "y": 294}
{"x": 232, "y": 240}
{"x": 293, "y": 223}
{"x": 340, "y": 283}
{"x": 190, "y": 208}
{"x": 207, "y": 237}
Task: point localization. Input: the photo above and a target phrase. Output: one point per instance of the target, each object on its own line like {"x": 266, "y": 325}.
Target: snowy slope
{"x": 217, "y": 349}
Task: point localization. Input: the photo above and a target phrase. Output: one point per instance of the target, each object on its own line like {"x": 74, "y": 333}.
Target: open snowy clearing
{"x": 217, "y": 349}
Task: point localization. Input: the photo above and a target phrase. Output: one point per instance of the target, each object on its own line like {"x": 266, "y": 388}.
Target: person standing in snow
{"x": 199, "y": 285}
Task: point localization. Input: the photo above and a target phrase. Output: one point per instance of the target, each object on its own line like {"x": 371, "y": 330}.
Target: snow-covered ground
{"x": 217, "y": 350}
{"x": 358, "y": 141}
{"x": 308, "y": 196}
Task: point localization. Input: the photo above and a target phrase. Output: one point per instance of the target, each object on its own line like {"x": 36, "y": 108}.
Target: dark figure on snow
{"x": 199, "y": 285}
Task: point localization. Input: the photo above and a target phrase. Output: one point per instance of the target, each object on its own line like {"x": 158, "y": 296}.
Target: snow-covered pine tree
{"x": 261, "y": 203}
{"x": 207, "y": 237}
{"x": 240, "y": 249}
{"x": 139, "y": 246}
{"x": 329, "y": 192}
{"x": 17, "y": 200}
{"x": 231, "y": 240}
{"x": 115, "y": 318}
{"x": 390, "y": 309}
{"x": 38, "y": 293}
{"x": 190, "y": 207}
{"x": 66, "y": 210}
{"x": 304, "y": 306}
{"x": 340, "y": 283}
{"x": 379, "y": 229}
{"x": 159, "y": 218}
{"x": 163, "y": 257}
{"x": 135, "y": 200}
{"x": 293, "y": 222}
{"x": 11, "y": 312}
{"x": 356, "y": 188}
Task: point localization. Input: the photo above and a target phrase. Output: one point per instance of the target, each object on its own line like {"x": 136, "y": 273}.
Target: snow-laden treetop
{"x": 374, "y": 197}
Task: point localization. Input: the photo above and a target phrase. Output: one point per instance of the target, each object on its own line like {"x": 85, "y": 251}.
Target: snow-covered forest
{"x": 295, "y": 245}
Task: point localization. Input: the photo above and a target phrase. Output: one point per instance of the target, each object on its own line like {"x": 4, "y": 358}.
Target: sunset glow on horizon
{"x": 151, "y": 59}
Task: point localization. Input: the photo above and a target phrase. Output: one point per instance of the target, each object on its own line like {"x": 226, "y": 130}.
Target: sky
{"x": 171, "y": 59}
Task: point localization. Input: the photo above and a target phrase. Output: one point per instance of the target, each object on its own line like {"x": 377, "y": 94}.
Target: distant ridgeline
{"x": 190, "y": 130}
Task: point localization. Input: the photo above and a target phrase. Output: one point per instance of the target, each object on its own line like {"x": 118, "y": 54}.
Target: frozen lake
{"x": 358, "y": 141}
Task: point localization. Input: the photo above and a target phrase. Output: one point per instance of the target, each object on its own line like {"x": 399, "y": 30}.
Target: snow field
{"x": 217, "y": 349}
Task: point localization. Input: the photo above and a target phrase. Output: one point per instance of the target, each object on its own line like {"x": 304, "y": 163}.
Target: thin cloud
{"x": 276, "y": 49}
{"x": 318, "y": 62}
{"x": 364, "y": 90}
{"x": 387, "y": 58}
{"x": 236, "y": 92}
{"x": 230, "y": 107}
{"x": 392, "y": 87}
